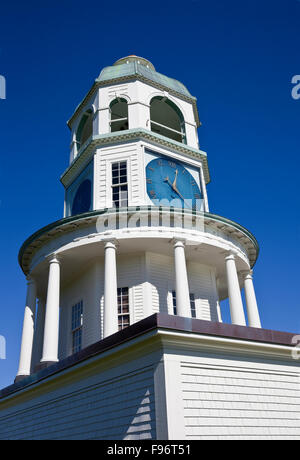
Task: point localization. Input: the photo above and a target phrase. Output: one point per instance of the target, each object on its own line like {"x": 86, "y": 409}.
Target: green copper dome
{"x": 131, "y": 66}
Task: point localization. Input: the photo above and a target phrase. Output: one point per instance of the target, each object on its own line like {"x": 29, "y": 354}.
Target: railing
{"x": 168, "y": 128}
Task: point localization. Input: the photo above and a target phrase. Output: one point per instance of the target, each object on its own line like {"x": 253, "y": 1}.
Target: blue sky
{"x": 237, "y": 58}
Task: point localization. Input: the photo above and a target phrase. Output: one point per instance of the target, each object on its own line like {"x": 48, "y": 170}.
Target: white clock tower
{"x": 137, "y": 237}
{"x": 123, "y": 335}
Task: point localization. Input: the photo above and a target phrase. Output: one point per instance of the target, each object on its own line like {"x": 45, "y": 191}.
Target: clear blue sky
{"x": 237, "y": 58}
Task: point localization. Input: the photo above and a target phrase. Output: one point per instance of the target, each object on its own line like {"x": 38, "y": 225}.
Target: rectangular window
{"x": 123, "y": 308}
{"x": 174, "y": 303}
{"x": 192, "y": 304}
{"x": 119, "y": 184}
{"x": 77, "y": 317}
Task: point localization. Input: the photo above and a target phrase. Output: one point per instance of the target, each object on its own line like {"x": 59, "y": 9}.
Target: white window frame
{"x": 192, "y": 300}
{"x": 78, "y": 327}
{"x": 112, "y": 186}
{"x": 129, "y": 309}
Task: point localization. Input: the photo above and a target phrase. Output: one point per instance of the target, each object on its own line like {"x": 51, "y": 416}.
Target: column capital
{"x": 230, "y": 255}
{"x": 110, "y": 243}
{"x": 247, "y": 274}
{"x": 53, "y": 258}
{"x": 178, "y": 242}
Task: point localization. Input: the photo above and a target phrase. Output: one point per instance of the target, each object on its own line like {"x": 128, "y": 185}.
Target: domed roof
{"x": 134, "y": 58}
{"x": 141, "y": 68}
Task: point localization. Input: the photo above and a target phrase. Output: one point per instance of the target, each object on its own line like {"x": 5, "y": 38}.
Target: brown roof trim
{"x": 156, "y": 321}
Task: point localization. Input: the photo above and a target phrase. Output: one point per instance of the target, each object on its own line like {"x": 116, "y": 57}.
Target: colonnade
{"x": 110, "y": 318}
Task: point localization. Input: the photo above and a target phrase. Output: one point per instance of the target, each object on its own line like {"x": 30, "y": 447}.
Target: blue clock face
{"x": 170, "y": 181}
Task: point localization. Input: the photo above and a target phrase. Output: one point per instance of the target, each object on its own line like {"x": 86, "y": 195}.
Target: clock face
{"x": 169, "y": 181}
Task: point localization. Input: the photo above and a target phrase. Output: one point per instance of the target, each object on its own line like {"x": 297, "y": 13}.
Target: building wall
{"x": 104, "y": 157}
{"x": 117, "y": 403}
{"x": 223, "y": 396}
{"x": 165, "y": 385}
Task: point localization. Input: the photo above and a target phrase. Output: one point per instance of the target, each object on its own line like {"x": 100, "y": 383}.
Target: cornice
{"x": 67, "y": 225}
{"x": 156, "y": 332}
{"x": 87, "y": 151}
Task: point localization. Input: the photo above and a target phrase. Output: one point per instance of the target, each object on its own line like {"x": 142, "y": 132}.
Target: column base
{"x": 43, "y": 365}
{"x": 20, "y": 377}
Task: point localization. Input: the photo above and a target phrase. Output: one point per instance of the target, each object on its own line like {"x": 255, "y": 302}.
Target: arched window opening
{"x": 85, "y": 129}
{"x": 166, "y": 119}
{"x": 118, "y": 115}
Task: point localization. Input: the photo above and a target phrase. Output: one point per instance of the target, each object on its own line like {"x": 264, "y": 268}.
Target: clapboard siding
{"x": 104, "y": 158}
{"x": 202, "y": 285}
{"x": 118, "y": 408}
{"x": 161, "y": 275}
{"x": 222, "y": 402}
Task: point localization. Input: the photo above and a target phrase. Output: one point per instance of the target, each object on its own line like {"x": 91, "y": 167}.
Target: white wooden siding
{"x": 201, "y": 284}
{"x": 239, "y": 402}
{"x": 117, "y": 408}
{"x": 104, "y": 158}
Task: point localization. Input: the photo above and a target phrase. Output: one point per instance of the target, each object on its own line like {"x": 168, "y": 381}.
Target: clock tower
{"x": 137, "y": 236}
{"x": 123, "y": 335}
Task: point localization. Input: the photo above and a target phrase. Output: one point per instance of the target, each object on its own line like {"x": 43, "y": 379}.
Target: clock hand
{"x": 173, "y": 186}
{"x": 175, "y": 190}
{"x": 175, "y": 179}
{"x": 166, "y": 179}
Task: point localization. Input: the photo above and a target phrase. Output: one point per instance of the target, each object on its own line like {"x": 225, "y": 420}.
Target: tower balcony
{"x": 98, "y": 272}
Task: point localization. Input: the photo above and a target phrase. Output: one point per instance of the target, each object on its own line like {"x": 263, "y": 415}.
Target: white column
{"x": 28, "y": 329}
{"x": 38, "y": 334}
{"x": 234, "y": 293}
{"x": 251, "y": 304}
{"x": 181, "y": 281}
{"x": 110, "y": 316}
{"x": 51, "y": 329}
{"x": 138, "y": 114}
{"x": 101, "y": 123}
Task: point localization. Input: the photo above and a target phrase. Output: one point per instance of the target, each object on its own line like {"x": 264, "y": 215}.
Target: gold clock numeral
{"x": 172, "y": 164}
{"x": 197, "y": 196}
{"x": 152, "y": 193}
{"x": 149, "y": 181}
{"x": 160, "y": 162}
{"x": 152, "y": 169}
